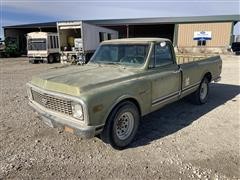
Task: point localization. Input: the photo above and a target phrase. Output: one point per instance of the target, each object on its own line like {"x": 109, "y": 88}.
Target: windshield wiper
{"x": 105, "y": 62}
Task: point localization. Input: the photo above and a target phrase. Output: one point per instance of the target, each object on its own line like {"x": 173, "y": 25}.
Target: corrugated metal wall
{"x": 221, "y": 34}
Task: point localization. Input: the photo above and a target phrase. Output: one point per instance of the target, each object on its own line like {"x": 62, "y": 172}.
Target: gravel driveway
{"x": 180, "y": 141}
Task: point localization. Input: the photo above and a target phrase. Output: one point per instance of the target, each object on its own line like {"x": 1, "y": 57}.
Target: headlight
{"x": 77, "y": 111}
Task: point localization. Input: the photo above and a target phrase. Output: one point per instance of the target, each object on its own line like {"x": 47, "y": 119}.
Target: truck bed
{"x": 186, "y": 58}
{"x": 194, "y": 67}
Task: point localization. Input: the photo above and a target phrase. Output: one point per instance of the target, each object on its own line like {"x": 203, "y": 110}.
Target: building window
{"x": 201, "y": 43}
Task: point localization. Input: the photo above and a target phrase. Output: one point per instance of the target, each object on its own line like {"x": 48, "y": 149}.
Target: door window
{"x": 161, "y": 56}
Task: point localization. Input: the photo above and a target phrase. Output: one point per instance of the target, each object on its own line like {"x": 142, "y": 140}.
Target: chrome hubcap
{"x": 50, "y": 58}
{"x": 203, "y": 90}
{"x": 124, "y": 125}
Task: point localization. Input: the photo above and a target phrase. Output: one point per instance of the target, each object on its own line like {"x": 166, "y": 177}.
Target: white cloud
{"x": 83, "y": 9}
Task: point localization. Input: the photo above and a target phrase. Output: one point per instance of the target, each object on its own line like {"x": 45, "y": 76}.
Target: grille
{"x": 52, "y": 103}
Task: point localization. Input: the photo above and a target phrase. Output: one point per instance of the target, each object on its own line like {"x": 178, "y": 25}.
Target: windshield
{"x": 37, "y": 44}
{"x": 124, "y": 54}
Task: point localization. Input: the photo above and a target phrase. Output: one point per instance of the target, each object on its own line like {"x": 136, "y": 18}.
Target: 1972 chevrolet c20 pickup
{"x": 124, "y": 80}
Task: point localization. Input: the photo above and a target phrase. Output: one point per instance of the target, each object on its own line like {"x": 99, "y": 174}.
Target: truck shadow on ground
{"x": 179, "y": 115}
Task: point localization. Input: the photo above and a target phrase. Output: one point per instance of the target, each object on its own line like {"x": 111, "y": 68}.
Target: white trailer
{"x": 43, "y": 46}
{"x": 78, "y": 40}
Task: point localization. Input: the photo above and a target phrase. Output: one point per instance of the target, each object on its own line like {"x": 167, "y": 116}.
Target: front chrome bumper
{"x": 58, "y": 121}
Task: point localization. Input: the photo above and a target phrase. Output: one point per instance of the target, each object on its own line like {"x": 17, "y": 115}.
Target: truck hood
{"x": 75, "y": 80}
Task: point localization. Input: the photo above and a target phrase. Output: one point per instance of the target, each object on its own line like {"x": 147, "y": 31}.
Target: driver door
{"x": 165, "y": 75}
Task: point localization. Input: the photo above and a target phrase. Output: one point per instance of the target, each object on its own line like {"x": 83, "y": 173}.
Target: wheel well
{"x": 132, "y": 100}
{"x": 208, "y": 76}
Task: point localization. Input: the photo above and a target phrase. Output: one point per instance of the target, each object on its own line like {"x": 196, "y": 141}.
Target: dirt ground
{"x": 180, "y": 141}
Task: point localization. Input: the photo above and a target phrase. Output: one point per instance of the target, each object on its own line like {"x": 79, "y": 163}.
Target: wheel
{"x": 201, "y": 95}
{"x": 32, "y": 61}
{"x": 57, "y": 58}
{"x": 73, "y": 59}
{"x": 50, "y": 58}
{"x": 121, "y": 126}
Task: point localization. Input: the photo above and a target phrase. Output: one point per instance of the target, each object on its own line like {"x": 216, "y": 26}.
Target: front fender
{"x": 102, "y": 101}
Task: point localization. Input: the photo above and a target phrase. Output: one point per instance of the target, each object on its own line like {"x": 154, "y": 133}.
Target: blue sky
{"x": 15, "y": 12}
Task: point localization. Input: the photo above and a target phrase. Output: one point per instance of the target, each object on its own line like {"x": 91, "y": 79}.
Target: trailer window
{"x": 101, "y": 36}
{"x": 57, "y": 45}
{"x": 51, "y": 42}
{"x": 109, "y": 36}
{"x": 55, "y": 41}
{"x": 37, "y": 44}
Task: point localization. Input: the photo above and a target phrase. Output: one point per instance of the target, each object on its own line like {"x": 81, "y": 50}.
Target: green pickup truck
{"x": 124, "y": 80}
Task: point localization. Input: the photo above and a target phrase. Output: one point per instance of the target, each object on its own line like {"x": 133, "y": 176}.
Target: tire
{"x": 31, "y": 61}
{"x": 121, "y": 126}
{"x": 57, "y": 58}
{"x": 50, "y": 59}
{"x": 201, "y": 95}
{"x": 73, "y": 59}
